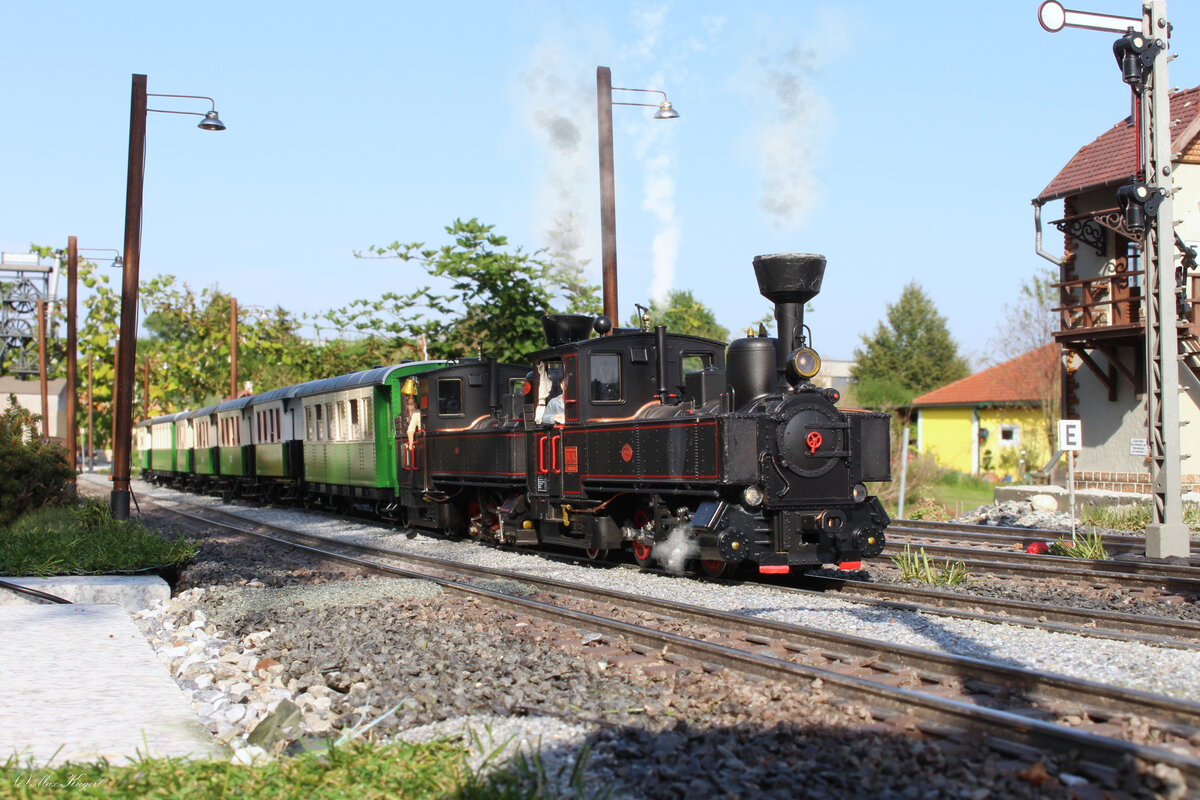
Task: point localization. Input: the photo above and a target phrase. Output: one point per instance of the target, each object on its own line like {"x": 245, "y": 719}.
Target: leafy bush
{"x": 85, "y": 539}
{"x": 927, "y": 508}
{"x": 33, "y": 472}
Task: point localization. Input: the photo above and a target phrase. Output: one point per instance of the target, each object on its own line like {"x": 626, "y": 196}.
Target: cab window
{"x": 449, "y": 397}
{"x": 605, "y": 370}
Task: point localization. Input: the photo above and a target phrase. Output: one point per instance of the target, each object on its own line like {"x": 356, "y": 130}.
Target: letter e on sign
{"x": 1070, "y": 434}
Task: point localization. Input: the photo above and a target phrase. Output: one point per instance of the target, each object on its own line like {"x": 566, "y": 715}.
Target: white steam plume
{"x": 789, "y": 145}
{"x": 558, "y": 111}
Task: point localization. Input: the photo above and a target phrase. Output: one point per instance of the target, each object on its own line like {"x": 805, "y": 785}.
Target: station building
{"x": 1102, "y": 333}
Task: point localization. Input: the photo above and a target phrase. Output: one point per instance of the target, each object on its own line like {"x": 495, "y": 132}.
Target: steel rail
{"x": 1159, "y": 576}
{"x": 1015, "y": 726}
{"x": 1151, "y": 630}
{"x": 1013, "y": 535}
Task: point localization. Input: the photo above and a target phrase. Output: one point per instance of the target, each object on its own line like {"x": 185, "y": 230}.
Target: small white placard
{"x": 1138, "y": 447}
{"x": 1070, "y": 434}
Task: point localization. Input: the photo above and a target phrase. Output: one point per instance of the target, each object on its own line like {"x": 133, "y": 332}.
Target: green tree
{"x": 493, "y": 306}
{"x": 683, "y": 313}
{"x": 909, "y": 355}
{"x": 188, "y": 344}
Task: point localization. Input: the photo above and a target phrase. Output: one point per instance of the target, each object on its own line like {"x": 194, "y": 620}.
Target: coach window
{"x": 330, "y": 423}
{"x": 605, "y": 369}
{"x": 343, "y": 422}
{"x": 368, "y": 418}
{"x": 310, "y": 432}
{"x": 450, "y": 397}
{"x": 320, "y": 423}
{"x": 355, "y": 428}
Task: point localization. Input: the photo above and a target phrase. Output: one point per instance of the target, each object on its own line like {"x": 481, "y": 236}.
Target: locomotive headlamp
{"x": 804, "y": 362}
{"x": 752, "y": 496}
{"x": 859, "y": 492}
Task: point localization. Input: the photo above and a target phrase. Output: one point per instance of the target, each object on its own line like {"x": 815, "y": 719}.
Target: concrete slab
{"x": 82, "y": 683}
{"x": 1094, "y": 498}
{"x": 131, "y": 592}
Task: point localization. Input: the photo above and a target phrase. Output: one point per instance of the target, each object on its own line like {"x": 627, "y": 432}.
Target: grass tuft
{"x": 438, "y": 769}
{"x": 84, "y": 539}
{"x": 916, "y": 566}
{"x": 1086, "y": 545}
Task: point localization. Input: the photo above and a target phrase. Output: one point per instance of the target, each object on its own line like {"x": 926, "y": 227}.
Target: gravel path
{"x": 347, "y": 650}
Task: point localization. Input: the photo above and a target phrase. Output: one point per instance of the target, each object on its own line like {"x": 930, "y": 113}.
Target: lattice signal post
{"x": 1142, "y": 53}
{"x": 24, "y": 281}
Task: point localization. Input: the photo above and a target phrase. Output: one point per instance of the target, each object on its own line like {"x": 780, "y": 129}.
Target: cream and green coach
{"x": 349, "y": 430}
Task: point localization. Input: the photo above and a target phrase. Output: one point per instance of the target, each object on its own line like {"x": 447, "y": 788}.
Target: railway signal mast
{"x": 1141, "y": 52}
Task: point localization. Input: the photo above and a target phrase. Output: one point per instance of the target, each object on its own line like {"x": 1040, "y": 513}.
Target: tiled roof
{"x": 1112, "y": 158}
{"x": 1021, "y": 381}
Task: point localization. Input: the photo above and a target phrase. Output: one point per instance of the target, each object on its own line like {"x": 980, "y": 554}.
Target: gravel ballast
{"x": 347, "y": 650}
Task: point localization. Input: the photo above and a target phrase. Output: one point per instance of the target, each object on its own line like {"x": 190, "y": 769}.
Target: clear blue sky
{"x": 903, "y": 141}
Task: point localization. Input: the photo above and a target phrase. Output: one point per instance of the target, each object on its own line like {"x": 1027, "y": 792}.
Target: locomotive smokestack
{"x": 789, "y": 280}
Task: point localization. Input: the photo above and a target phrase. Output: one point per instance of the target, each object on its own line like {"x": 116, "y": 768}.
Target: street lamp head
{"x": 665, "y": 111}
{"x": 211, "y": 122}
{"x": 118, "y": 263}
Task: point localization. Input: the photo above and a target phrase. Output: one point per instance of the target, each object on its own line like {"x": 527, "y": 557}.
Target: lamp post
{"x": 127, "y": 345}
{"x": 608, "y": 202}
{"x": 73, "y": 251}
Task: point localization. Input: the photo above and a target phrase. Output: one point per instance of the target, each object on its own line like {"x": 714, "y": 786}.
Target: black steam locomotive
{"x": 671, "y": 445}
{"x": 679, "y": 448}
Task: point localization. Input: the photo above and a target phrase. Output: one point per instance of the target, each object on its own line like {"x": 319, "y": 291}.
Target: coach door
{"x": 547, "y": 461}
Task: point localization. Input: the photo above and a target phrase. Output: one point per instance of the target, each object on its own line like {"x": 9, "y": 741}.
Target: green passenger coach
{"x": 346, "y": 425}
{"x": 204, "y": 439}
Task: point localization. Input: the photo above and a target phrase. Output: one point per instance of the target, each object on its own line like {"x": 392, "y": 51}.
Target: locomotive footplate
{"x": 727, "y": 532}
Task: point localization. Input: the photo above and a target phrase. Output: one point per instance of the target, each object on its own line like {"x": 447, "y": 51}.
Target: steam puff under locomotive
{"x": 672, "y": 445}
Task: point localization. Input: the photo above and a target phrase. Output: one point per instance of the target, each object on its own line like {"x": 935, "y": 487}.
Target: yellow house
{"x": 990, "y": 422}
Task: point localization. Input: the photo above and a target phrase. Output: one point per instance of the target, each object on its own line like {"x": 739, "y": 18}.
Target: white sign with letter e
{"x": 1070, "y": 434}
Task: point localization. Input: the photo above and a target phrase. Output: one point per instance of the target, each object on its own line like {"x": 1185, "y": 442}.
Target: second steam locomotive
{"x": 659, "y": 443}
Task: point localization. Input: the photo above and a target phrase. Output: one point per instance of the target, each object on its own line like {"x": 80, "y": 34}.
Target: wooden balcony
{"x": 1109, "y": 308}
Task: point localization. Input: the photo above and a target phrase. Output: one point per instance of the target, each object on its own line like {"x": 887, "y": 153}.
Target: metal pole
{"x": 1071, "y": 485}
{"x": 1167, "y": 535}
{"x": 72, "y": 343}
{"x": 91, "y": 444}
{"x": 233, "y": 348}
{"x": 41, "y": 333}
{"x": 608, "y": 202}
{"x": 127, "y": 346}
{"x": 903, "y": 471}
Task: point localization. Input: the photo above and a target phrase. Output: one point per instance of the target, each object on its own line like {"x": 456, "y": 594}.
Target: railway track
{"x": 912, "y": 531}
{"x": 904, "y": 687}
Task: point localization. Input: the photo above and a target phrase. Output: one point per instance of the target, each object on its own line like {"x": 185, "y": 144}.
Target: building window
{"x": 1010, "y": 435}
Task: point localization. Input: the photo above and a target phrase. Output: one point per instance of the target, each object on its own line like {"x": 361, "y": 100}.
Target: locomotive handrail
{"x": 554, "y": 440}
{"x": 645, "y": 407}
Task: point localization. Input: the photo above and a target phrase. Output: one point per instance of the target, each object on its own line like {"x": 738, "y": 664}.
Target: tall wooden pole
{"x": 146, "y": 387}
{"x": 233, "y": 348}
{"x": 41, "y": 316}
{"x": 72, "y": 343}
{"x": 608, "y": 201}
{"x": 127, "y": 347}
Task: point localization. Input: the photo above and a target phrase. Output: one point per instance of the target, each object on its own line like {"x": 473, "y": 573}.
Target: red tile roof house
{"x": 990, "y": 422}
{"x": 1102, "y": 333}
